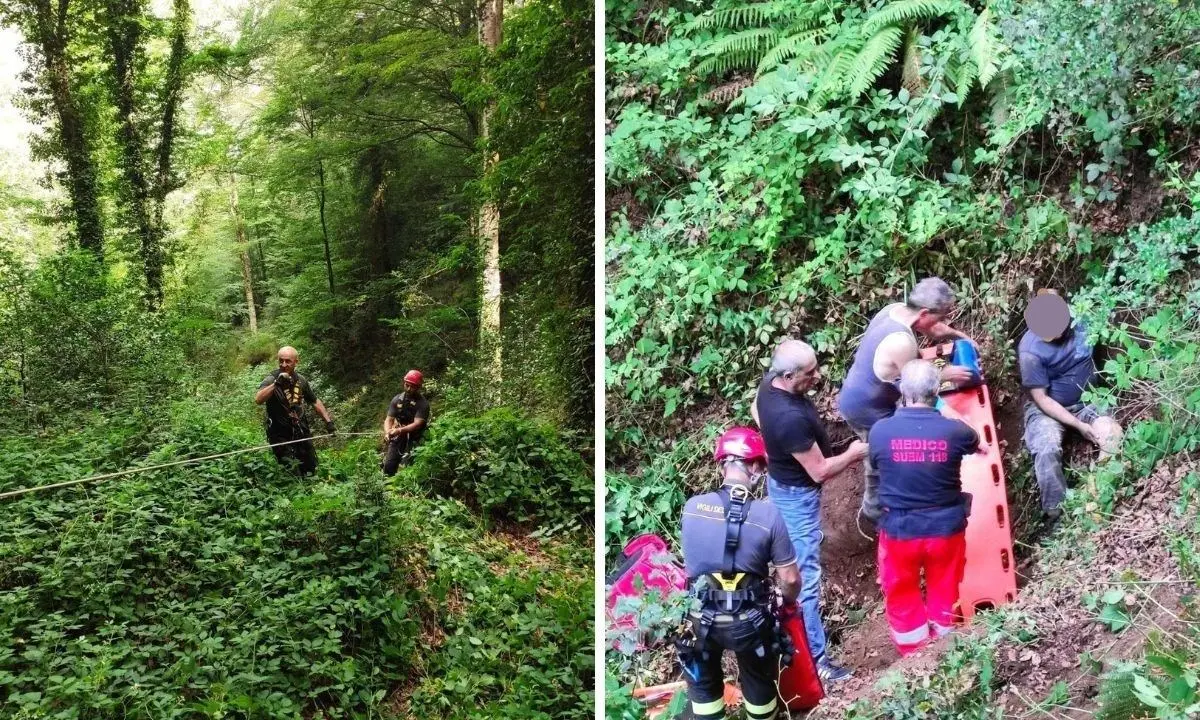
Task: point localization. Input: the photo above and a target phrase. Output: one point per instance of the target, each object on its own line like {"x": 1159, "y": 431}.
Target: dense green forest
{"x": 187, "y": 186}
{"x": 787, "y": 168}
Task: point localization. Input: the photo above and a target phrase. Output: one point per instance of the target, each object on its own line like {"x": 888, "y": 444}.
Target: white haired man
{"x": 923, "y": 521}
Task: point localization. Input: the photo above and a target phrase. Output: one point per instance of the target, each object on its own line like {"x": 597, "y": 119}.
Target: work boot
{"x": 830, "y": 673}
{"x": 1050, "y": 519}
{"x": 866, "y": 526}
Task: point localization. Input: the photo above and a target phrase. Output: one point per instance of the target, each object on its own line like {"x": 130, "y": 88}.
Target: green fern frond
{"x": 741, "y": 49}
{"x": 910, "y": 75}
{"x": 796, "y": 45}
{"x": 872, "y": 60}
{"x": 984, "y": 49}
{"x": 724, "y": 63}
{"x": 833, "y": 78}
{"x": 905, "y": 11}
{"x": 1118, "y": 699}
{"x": 967, "y": 73}
{"x": 756, "y": 14}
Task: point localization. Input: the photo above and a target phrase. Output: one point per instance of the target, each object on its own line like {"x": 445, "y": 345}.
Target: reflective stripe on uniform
{"x": 911, "y": 637}
{"x": 761, "y": 711}
{"x": 709, "y": 708}
{"x": 940, "y": 630}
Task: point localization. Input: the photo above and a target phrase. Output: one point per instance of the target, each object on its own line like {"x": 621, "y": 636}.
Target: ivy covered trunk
{"x": 50, "y": 36}
{"x": 244, "y": 252}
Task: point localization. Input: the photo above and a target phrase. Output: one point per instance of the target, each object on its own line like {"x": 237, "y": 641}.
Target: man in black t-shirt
{"x": 407, "y": 418}
{"x": 799, "y": 460}
{"x": 285, "y": 392}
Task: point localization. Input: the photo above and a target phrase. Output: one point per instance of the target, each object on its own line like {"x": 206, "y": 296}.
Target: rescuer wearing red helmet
{"x": 407, "y": 418}
{"x": 730, "y": 542}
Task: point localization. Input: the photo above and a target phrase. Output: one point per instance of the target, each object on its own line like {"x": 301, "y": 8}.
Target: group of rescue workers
{"x": 913, "y": 497}
{"x": 286, "y": 393}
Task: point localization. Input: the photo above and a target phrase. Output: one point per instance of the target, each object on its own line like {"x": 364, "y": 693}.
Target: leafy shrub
{"x": 519, "y": 647}
{"x": 508, "y": 465}
{"x": 959, "y": 689}
{"x": 73, "y": 330}
{"x": 223, "y": 587}
{"x": 653, "y": 501}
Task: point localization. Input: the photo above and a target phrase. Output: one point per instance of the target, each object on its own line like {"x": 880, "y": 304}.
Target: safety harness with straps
{"x": 729, "y": 592}
{"x": 298, "y": 426}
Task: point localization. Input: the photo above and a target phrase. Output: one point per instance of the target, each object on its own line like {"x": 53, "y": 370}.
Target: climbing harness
{"x": 189, "y": 461}
{"x": 731, "y": 598}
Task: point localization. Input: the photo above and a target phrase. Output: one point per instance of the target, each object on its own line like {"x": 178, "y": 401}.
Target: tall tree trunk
{"x": 378, "y": 231}
{"x": 164, "y": 180}
{"x": 324, "y": 228}
{"x": 124, "y": 39}
{"x": 262, "y": 256}
{"x": 50, "y": 36}
{"x": 491, "y": 18}
{"x": 244, "y": 251}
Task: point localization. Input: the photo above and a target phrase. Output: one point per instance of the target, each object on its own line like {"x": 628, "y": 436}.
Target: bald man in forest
{"x": 285, "y": 392}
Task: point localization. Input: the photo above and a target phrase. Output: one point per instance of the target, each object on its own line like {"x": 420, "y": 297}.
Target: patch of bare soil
{"x": 1130, "y": 553}
{"x": 867, "y": 646}
{"x": 847, "y": 556}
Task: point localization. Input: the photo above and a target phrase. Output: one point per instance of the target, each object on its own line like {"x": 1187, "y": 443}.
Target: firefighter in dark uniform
{"x": 407, "y": 418}
{"x": 730, "y": 542}
{"x": 285, "y": 392}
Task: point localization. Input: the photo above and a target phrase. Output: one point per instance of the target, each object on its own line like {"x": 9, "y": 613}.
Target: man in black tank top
{"x": 869, "y": 393}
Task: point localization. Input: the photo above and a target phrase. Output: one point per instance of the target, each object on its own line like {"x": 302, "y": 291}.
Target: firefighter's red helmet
{"x": 414, "y": 377}
{"x": 740, "y": 442}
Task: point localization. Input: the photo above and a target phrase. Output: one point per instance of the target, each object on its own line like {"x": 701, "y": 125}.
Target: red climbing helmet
{"x": 740, "y": 442}
{"x": 414, "y": 377}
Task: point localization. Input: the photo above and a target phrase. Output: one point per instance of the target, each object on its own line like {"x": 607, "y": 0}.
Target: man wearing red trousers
{"x": 919, "y": 455}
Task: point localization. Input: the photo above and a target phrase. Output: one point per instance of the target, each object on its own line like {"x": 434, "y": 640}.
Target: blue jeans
{"x": 801, "y": 511}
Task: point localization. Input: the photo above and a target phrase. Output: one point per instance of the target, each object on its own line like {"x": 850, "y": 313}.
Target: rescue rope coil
{"x": 189, "y": 461}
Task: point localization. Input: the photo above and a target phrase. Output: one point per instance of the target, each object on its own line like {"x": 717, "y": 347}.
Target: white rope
{"x": 132, "y": 471}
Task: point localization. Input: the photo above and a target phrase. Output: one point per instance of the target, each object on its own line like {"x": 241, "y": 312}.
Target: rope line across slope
{"x": 189, "y": 461}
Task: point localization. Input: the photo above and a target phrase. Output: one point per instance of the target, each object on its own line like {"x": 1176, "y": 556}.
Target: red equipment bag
{"x": 799, "y": 685}
{"x": 645, "y": 557}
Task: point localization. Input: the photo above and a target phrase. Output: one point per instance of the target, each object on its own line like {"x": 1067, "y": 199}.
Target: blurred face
{"x": 287, "y": 362}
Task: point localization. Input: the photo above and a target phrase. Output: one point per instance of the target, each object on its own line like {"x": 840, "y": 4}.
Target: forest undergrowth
{"x": 232, "y": 588}
{"x": 185, "y": 188}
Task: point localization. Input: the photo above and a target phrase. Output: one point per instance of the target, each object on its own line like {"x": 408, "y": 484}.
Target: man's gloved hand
{"x": 329, "y": 427}
{"x": 284, "y": 381}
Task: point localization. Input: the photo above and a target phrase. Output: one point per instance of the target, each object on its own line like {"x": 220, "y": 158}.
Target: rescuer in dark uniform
{"x": 285, "y": 392}
{"x": 922, "y": 530}
{"x": 407, "y": 418}
{"x": 730, "y": 542}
